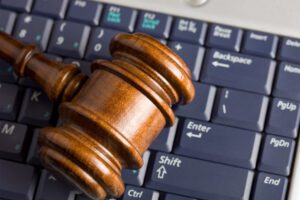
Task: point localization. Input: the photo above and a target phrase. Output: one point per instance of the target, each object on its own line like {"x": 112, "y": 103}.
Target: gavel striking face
{"x": 108, "y": 120}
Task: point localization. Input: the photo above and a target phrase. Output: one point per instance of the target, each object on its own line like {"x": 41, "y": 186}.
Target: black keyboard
{"x": 235, "y": 141}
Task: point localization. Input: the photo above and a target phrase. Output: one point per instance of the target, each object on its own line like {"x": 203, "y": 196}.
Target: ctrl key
{"x": 270, "y": 186}
{"x": 132, "y": 193}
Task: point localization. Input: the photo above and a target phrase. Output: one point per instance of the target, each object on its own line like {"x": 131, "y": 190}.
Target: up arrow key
{"x": 161, "y": 172}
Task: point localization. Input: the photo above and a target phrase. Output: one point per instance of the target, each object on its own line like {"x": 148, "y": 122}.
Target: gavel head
{"x": 116, "y": 115}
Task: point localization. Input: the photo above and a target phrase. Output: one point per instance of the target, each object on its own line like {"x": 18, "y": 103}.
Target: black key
{"x": 201, "y": 107}
{"x": 269, "y": 186}
{"x": 18, "y": 5}
{"x": 36, "y": 109}
{"x": 51, "y": 8}
{"x": 238, "y": 71}
{"x": 83, "y": 65}
{"x": 119, "y": 17}
{"x": 260, "y": 44}
{"x": 199, "y": 179}
{"x": 7, "y": 20}
{"x": 277, "y": 155}
{"x": 51, "y": 188}
{"x": 10, "y": 101}
{"x": 241, "y": 109}
{"x": 7, "y": 72}
{"x": 90, "y": 11}
{"x": 219, "y": 143}
{"x": 12, "y": 140}
{"x": 288, "y": 81}
{"x": 284, "y": 118}
{"x": 136, "y": 177}
{"x": 69, "y": 39}
{"x": 164, "y": 141}
{"x": 32, "y": 156}
{"x": 99, "y": 44}
{"x": 224, "y": 37}
{"x": 33, "y": 29}
{"x": 189, "y": 30}
{"x": 290, "y": 50}
{"x": 17, "y": 181}
{"x": 176, "y": 197}
{"x": 192, "y": 55}
{"x": 132, "y": 193}
{"x": 154, "y": 24}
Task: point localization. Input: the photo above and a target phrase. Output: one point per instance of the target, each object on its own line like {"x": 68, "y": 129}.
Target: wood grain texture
{"x": 110, "y": 119}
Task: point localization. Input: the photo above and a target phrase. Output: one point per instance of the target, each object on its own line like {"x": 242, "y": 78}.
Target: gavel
{"x": 108, "y": 120}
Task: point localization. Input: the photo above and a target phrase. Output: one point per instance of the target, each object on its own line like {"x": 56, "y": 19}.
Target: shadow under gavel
{"x": 110, "y": 119}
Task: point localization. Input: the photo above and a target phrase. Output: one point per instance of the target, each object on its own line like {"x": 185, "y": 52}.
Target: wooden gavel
{"x": 108, "y": 120}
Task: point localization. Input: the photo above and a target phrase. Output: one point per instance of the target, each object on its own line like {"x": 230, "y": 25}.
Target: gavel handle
{"x": 60, "y": 81}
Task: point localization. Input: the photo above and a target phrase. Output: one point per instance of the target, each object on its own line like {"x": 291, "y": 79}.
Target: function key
{"x": 69, "y": 39}
{"x": 260, "y": 44}
{"x": 33, "y": 29}
{"x": 189, "y": 30}
{"x": 290, "y": 50}
{"x": 154, "y": 24}
{"x": 269, "y": 186}
{"x": 7, "y": 20}
{"x": 118, "y": 17}
{"x": 90, "y": 11}
{"x": 51, "y": 8}
{"x": 277, "y": 155}
{"x": 18, "y": 5}
{"x": 225, "y": 37}
{"x": 288, "y": 81}
{"x": 284, "y": 118}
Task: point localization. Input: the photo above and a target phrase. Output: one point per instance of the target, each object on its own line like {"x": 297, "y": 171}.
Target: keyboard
{"x": 236, "y": 141}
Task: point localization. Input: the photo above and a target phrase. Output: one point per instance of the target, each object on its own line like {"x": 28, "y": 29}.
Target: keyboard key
{"x": 119, "y": 17}
{"x": 36, "y": 109}
{"x": 277, "y": 155}
{"x": 99, "y": 44}
{"x": 192, "y": 55}
{"x": 175, "y": 197}
{"x": 33, "y": 29}
{"x": 7, "y": 20}
{"x": 260, "y": 44}
{"x": 219, "y": 143}
{"x": 288, "y": 81}
{"x": 9, "y": 101}
{"x": 241, "y": 109}
{"x": 83, "y": 65}
{"x": 284, "y": 118}
{"x": 290, "y": 50}
{"x": 132, "y": 193}
{"x": 18, "y": 5}
{"x": 69, "y": 39}
{"x": 199, "y": 179}
{"x": 32, "y": 156}
{"x": 90, "y": 11}
{"x": 238, "y": 71}
{"x": 189, "y": 30}
{"x": 51, "y": 188}
{"x": 269, "y": 186}
{"x": 51, "y": 8}
{"x": 154, "y": 24}
{"x": 201, "y": 106}
{"x": 17, "y": 181}
{"x": 164, "y": 141}
{"x": 224, "y": 37}
{"x": 7, "y": 72}
{"x": 136, "y": 177}
{"x": 12, "y": 140}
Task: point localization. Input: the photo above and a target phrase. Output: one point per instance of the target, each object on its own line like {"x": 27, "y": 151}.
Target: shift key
{"x": 199, "y": 179}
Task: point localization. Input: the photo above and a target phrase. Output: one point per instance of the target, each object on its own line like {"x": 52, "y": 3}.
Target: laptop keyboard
{"x": 236, "y": 140}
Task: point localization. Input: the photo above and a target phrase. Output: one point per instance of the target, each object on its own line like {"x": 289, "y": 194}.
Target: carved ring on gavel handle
{"x": 108, "y": 120}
